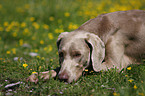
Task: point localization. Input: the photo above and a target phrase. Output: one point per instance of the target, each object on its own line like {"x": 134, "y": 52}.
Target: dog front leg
{"x": 43, "y": 75}
{"x": 115, "y": 55}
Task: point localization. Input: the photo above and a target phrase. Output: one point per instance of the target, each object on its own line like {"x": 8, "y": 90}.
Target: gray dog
{"x": 118, "y": 38}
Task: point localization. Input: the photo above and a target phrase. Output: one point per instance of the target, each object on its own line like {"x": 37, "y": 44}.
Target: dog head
{"x": 76, "y": 51}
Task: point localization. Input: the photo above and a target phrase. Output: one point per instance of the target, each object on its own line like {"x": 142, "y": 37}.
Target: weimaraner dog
{"x": 110, "y": 40}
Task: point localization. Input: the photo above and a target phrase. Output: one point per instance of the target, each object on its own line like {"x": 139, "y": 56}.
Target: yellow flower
{"x": 129, "y": 68}
{"x": 21, "y": 42}
{"x": 135, "y": 87}
{"x": 8, "y": 52}
{"x": 141, "y": 94}
{"x": 50, "y": 36}
{"x": 126, "y": 75}
{"x": 14, "y": 23}
{"x": 41, "y": 42}
{"x": 66, "y": 14}
{"x": 50, "y": 48}
{"x": 25, "y": 65}
{"x": 38, "y": 57}
{"x": 6, "y": 24}
{"x": 32, "y": 19}
{"x": 86, "y": 70}
{"x": 45, "y": 48}
{"x": 51, "y": 18}
{"x": 14, "y": 34}
{"x": 26, "y": 31}
{"x": 51, "y": 60}
{"x": 116, "y": 94}
{"x": 0, "y": 38}
{"x": 40, "y": 68}
{"x": 8, "y": 29}
{"x": 59, "y": 30}
{"x": 43, "y": 58}
{"x": 27, "y": 6}
{"x": 36, "y": 50}
{"x": 14, "y": 50}
{"x": 23, "y": 24}
{"x": 45, "y": 26}
{"x": 36, "y": 25}
{"x": 130, "y": 80}
{"x": 72, "y": 26}
{"x": 0, "y": 6}
{"x": 34, "y": 72}
{"x": 1, "y": 29}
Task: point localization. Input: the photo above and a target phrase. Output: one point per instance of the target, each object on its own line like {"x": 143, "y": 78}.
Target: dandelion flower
{"x": 50, "y": 36}
{"x": 0, "y": 6}
{"x": 1, "y": 29}
{"x": 43, "y": 58}
{"x": 21, "y": 42}
{"x": 126, "y": 75}
{"x": 27, "y": 6}
{"x": 14, "y": 50}
{"x": 50, "y": 48}
{"x": 130, "y": 80}
{"x": 116, "y": 94}
{"x": 142, "y": 94}
{"x": 135, "y": 87}
{"x": 66, "y": 14}
{"x": 34, "y": 72}
{"x": 38, "y": 57}
{"x": 8, "y": 52}
{"x": 45, "y": 26}
{"x": 32, "y": 19}
{"x": 36, "y": 50}
{"x": 6, "y": 24}
{"x": 14, "y": 34}
{"x": 41, "y": 42}
{"x": 36, "y": 25}
{"x": 33, "y": 38}
{"x": 25, "y": 65}
{"x": 23, "y": 24}
{"x": 51, "y": 18}
{"x": 129, "y": 68}
{"x": 86, "y": 70}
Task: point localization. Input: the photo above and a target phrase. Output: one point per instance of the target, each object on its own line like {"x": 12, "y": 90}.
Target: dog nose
{"x": 63, "y": 76}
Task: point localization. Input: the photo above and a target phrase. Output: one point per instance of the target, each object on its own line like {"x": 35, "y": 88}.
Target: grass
{"x": 32, "y": 26}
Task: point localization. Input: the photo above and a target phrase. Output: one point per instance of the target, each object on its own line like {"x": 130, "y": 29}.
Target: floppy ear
{"x": 62, "y": 35}
{"x": 98, "y": 51}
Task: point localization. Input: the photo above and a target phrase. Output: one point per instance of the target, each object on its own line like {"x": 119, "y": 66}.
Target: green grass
{"x": 50, "y": 18}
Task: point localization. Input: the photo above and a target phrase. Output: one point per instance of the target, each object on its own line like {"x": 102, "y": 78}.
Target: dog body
{"x": 118, "y": 38}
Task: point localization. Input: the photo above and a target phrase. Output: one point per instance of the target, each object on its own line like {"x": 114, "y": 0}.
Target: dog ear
{"x": 62, "y": 35}
{"x": 97, "y": 52}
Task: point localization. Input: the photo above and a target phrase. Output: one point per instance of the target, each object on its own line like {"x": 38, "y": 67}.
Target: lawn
{"x": 28, "y": 35}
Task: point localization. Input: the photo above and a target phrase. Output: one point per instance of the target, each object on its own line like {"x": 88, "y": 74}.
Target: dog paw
{"x": 42, "y": 75}
{"x": 33, "y": 78}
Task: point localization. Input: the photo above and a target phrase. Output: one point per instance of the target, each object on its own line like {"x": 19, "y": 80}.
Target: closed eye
{"x": 77, "y": 55}
{"x": 61, "y": 54}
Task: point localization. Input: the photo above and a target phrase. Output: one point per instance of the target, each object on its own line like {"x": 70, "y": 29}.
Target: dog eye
{"x": 61, "y": 54}
{"x": 77, "y": 55}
